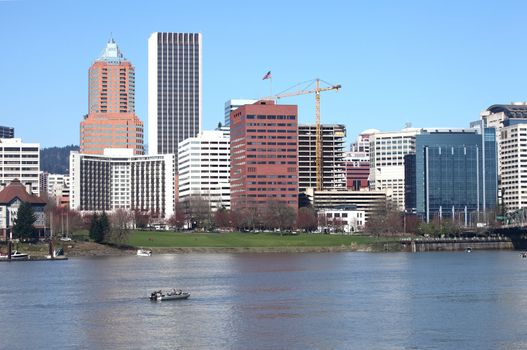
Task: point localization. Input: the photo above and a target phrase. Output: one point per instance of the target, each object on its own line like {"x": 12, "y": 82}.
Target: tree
{"x": 278, "y": 215}
{"x": 95, "y": 231}
{"x": 121, "y": 220}
{"x": 307, "y": 219}
{"x": 247, "y": 218}
{"x": 25, "y": 218}
{"x": 222, "y": 218}
{"x": 385, "y": 220}
{"x": 105, "y": 225}
{"x": 141, "y": 218}
{"x": 200, "y": 212}
{"x": 177, "y": 220}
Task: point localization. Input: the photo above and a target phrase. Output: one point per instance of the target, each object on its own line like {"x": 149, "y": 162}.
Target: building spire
{"x": 111, "y": 52}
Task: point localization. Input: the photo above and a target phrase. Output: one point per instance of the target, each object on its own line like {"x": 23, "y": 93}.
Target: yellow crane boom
{"x": 318, "y": 137}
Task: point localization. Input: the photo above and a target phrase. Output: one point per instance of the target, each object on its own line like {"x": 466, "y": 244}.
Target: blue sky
{"x": 431, "y": 63}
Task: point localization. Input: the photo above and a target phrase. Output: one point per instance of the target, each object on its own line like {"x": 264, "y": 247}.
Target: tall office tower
{"x": 7, "y": 132}
{"x": 111, "y": 121}
{"x": 333, "y": 170}
{"x": 387, "y": 151}
{"x": 120, "y": 179}
{"x": 264, "y": 155}
{"x": 496, "y": 116}
{"x": 232, "y": 105}
{"x": 174, "y": 90}
{"x": 204, "y": 168}
{"x": 20, "y": 161}
{"x": 43, "y": 181}
{"x": 513, "y": 183}
{"x": 454, "y": 174}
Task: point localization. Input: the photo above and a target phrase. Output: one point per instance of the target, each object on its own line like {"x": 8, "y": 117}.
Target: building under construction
{"x": 333, "y": 169}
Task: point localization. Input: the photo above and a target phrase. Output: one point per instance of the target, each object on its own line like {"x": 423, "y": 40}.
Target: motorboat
{"x": 468, "y": 250}
{"x": 144, "y": 252}
{"x": 173, "y": 294}
{"x": 523, "y": 255}
{"x": 16, "y": 255}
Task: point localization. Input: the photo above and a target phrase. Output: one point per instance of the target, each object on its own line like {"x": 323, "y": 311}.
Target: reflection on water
{"x": 269, "y": 301}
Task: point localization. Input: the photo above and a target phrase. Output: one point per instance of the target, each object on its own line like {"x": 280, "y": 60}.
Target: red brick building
{"x": 264, "y": 155}
{"x": 357, "y": 171}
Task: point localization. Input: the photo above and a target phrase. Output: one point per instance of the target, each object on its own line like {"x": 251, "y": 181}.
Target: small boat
{"x": 144, "y": 252}
{"x": 468, "y": 250}
{"x": 523, "y": 255}
{"x": 16, "y": 255}
{"x": 173, "y": 294}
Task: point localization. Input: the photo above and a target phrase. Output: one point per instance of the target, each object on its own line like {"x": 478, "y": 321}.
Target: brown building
{"x": 264, "y": 155}
{"x": 11, "y": 197}
{"x": 357, "y": 171}
{"x": 111, "y": 121}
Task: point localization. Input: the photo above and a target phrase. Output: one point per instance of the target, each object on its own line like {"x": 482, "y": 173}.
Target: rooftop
{"x": 514, "y": 110}
{"x": 17, "y": 190}
{"x": 111, "y": 53}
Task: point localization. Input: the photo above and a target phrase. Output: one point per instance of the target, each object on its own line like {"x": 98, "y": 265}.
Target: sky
{"x": 428, "y": 63}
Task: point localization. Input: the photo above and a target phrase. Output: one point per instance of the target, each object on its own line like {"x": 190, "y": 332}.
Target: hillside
{"x": 55, "y": 160}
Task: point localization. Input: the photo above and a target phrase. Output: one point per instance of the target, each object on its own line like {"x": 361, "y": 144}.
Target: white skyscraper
{"x": 387, "y": 151}
{"x": 174, "y": 90}
{"x": 204, "y": 168}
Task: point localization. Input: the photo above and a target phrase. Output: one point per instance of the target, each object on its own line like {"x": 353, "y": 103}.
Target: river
{"x": 441, "y": 300}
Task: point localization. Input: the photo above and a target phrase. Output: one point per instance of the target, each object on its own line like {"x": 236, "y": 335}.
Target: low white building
{"x": 20, "y": 161}
{"x": 346, "y": 218}
{"x": 204, "y": 168}
{"x": 119, "y": 179}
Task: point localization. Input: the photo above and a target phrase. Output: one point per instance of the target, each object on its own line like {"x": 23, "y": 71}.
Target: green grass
{"x": 240, "y": 240}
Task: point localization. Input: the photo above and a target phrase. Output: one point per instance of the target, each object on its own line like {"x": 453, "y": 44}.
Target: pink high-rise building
{"x": 111, "y": 121}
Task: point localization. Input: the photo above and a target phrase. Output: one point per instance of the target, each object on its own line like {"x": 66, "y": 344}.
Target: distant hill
{"x": 55, "y": 160}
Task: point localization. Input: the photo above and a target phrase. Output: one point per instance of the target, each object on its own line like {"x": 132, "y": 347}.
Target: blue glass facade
{"x": 455, "y": 173}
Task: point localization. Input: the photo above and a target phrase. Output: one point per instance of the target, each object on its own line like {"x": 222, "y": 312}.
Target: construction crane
{"x": 307, "y": 90}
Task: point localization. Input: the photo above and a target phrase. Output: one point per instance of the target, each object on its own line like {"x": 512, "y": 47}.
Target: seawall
{"x": 453, "y": 244}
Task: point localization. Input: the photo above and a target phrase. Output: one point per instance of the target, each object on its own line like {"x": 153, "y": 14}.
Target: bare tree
{"x": 248, "y": 218}
{"x": 178, "y": 219}
{"x": 199, "y": 212}
{"x": 307, "y": 219}
{"x": 141, "y": 218}
{"x": 279, "y": 215}
{"x": 121, "y": 221}
{"x": 386, "y": 220}
{"x": 222, "y": 218}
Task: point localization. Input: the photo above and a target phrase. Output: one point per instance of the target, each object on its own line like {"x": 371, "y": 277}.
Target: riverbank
{"x": 237, "y": 242}
{"x": 232, "y": 242}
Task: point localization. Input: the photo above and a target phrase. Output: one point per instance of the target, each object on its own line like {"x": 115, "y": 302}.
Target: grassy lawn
{"x": 240, "y": 240}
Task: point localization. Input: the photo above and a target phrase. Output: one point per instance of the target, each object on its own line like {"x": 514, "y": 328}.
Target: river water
{"x": 443, "y": 300}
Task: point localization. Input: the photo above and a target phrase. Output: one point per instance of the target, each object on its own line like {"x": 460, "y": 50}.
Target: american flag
{"x": 267, "y": 75}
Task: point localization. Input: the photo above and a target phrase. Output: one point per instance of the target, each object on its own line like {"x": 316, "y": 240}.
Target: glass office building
{"x": 455, "y": 174}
